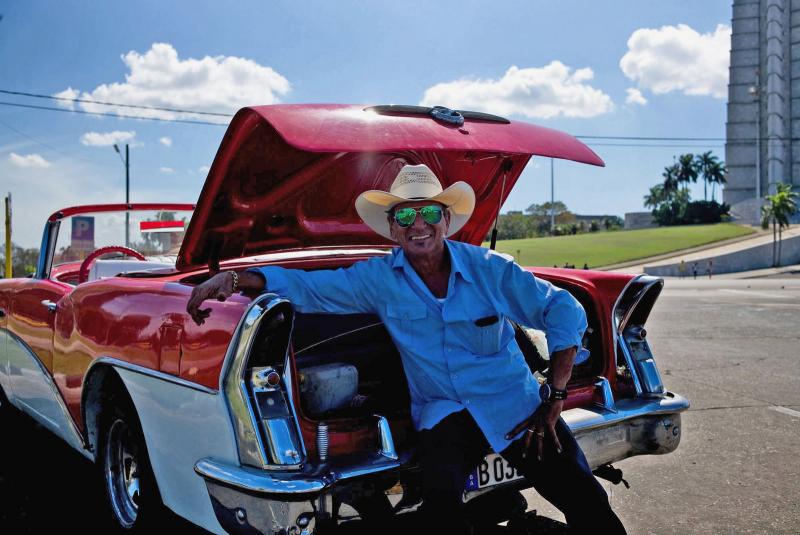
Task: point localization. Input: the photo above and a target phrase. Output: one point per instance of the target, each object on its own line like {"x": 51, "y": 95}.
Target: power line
{"x": 747, "y": 141}
{"x": 102, "y": 103}
{"x": 43, "y": 144}
{"x": 106, "y": 114}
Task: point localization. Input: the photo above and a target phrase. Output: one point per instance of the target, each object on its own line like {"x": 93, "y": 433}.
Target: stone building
{"x": 763, "y": 124}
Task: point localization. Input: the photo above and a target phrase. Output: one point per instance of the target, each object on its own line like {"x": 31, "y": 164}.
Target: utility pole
{"x": 127, "y": 163}
{"x": 552, "y": 198}
{"x": 9, "y": 270}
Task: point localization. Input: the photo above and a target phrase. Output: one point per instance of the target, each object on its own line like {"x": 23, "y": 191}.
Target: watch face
{"x": 544, "y": 393}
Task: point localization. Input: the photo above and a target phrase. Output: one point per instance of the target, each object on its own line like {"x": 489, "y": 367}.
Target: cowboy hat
{"x": 416, "y": 183}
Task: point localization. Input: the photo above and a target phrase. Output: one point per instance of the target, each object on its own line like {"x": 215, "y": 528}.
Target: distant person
{"x": 682, "y": 270}
{"x": 694, "y": 270}
{"x": 585, "y": 265}
{"x": 710, "y": 267}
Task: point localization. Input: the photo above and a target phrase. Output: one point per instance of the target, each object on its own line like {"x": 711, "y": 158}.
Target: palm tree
{"x": 716, "y": 175}
{"x": 687, "y": 169}
{"x": 711, "y": 170}
{"x": 655, "y": 197}
{"x": 671, "y": 182}
{"x": 778, "y": 211}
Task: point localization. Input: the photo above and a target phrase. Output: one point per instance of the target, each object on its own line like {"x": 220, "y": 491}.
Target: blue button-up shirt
{"x": 458, "y": 352}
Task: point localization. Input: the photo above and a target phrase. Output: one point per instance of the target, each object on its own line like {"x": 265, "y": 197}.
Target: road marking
{"x": 784, "y": 410}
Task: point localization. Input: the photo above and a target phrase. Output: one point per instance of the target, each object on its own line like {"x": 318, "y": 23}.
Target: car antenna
{"x": 505, "y": 167}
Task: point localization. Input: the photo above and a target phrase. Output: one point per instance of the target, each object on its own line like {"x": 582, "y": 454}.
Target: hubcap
{"x": 122, "y": 473}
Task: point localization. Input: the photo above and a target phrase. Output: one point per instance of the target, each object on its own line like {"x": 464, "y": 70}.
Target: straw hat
{"x": 416, "y": 183}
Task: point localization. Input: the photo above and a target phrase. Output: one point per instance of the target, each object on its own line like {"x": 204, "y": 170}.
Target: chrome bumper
{"x": 638, "y": 426}
{"x": 249, "y": 500}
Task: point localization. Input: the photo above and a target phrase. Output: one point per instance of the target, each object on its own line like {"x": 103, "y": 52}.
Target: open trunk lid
{"x": 287, "y": 176}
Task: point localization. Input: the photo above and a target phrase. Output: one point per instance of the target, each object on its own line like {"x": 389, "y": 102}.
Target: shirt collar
{"x": 456, "y": 263}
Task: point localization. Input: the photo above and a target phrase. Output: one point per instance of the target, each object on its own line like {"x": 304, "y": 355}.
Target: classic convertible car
{"x": 264, "y": 420}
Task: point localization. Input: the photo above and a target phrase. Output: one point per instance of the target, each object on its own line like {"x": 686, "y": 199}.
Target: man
{"x": 445, "y": 305}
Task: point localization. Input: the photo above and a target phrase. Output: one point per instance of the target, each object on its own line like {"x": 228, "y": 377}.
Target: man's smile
{"x": 421, "y": 237}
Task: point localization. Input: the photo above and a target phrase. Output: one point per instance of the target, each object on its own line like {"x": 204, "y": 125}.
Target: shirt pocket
{"x": 480, "y": 334}
{"x": 487, "y": 339}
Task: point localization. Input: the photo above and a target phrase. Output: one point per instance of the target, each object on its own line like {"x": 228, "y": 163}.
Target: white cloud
{"x": 166, "y": 141}
{"x": 537, "y": 92}
{"x": 166, "y": 170}
{"x": 204, "y": 169}
{"x": 678, "y": 58}
{"x": 212, "y": 84}
{"x": 29, "y": 160}
{"x": 635, "y": 97}
{"x": 68, "y": 93}
{"x": 106, "y": 139}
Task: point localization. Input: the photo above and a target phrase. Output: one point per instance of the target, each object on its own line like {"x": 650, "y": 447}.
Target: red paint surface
{"x": 287, "y": 176}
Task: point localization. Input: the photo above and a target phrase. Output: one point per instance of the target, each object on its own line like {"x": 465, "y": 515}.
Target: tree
{"x": 704, "y": 163}
{"x": 23, "y": 261}
{"x": 687, "y": 169}
{"x": 778, "y": 211}
{"x": 656, "y": 196}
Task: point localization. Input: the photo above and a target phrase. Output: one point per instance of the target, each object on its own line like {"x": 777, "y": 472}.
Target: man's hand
{"x": 219, "y": 287}
{"x": 541, "y": 424}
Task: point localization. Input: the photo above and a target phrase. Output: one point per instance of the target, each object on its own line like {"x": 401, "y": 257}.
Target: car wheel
{"x": 127, "y": 478}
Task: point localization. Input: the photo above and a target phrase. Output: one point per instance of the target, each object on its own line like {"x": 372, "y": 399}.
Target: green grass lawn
{"x": 605, "y": 248}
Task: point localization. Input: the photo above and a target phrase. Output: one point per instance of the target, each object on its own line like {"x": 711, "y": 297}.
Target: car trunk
{"x": 348, "y": 370}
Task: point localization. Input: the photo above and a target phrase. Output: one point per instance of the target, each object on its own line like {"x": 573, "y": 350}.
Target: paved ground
{"x": 730, "y": 346}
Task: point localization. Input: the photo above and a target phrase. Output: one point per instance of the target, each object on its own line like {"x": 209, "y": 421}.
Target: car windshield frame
{"x": 52, "y": 226}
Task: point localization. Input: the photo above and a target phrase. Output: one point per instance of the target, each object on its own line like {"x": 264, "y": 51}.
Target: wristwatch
{"x": 549, "y": 393}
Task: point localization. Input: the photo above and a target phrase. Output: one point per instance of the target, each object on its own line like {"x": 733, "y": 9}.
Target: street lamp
{"x": 126, "y": 161}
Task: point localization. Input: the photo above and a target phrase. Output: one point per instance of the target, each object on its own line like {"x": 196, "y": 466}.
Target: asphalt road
{"x": 733, "y": 348}
{"x": 730, "y": 346}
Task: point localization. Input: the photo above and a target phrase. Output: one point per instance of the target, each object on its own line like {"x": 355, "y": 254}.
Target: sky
{"x": 620, "y": 68}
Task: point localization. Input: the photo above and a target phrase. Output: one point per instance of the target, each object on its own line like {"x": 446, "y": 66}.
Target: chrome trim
{"x": 238, "y": 511}
{"x": 607, "y": 395}
{"x": 248, "y": 439}
{"x": 617, "y": 335}
{"x": 646, "y": 370}
{"x": 78, "y": 437}
{"x": 637, "y": 299}
{"x": 260, "y": 481}
{"x": 285, "y": 444}
{"x": 312, "y": 479}
{"x": 116, "y": 363}
{"x": 47, "y": 249}
{"x": 387, "y": 441}
{"x": 585, "y": 419}
{"x": 51, "y": 306}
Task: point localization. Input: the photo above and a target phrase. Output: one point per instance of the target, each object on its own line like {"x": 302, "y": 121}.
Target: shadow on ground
{"x": 47, "y": 487}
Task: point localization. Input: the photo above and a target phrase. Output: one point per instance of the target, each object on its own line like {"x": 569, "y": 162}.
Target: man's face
{"x": 420, "y": 239}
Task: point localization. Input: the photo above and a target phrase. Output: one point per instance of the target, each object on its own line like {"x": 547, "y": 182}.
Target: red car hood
{"x": 287, "y": 176}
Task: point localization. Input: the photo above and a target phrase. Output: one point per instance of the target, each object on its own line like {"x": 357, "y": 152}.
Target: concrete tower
{"x": 763, "y": 125}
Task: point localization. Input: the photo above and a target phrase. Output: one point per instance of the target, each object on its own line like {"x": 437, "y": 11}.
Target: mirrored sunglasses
{"x": 431, "y": 214}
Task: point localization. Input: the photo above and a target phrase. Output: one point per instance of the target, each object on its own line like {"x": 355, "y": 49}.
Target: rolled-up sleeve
{"x": 338, "y": 291}
{"x": 539, "y": 304}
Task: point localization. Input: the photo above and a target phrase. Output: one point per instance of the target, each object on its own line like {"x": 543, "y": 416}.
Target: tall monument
{"x": 763, "y": 124}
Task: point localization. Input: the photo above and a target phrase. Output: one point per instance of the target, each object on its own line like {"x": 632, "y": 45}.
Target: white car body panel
{"x": 181, "y": 426}
{"x": 30, "y": 387}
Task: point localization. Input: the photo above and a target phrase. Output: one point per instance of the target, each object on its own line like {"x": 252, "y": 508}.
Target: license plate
{"x": 492, "y": 471}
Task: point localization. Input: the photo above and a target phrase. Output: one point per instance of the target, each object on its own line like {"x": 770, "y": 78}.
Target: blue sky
{"x": 558, "y": 64}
